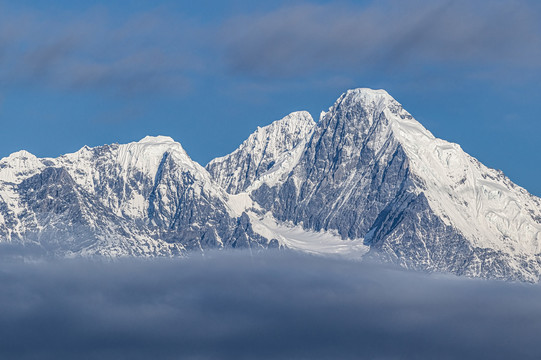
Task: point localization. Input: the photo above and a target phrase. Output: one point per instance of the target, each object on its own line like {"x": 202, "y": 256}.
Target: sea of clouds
{"x": 274, "y": 305}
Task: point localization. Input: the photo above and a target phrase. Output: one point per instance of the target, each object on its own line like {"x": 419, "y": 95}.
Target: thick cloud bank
{"x": 270, "y": 306}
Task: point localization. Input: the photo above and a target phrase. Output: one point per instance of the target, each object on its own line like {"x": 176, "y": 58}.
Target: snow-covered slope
{"x": 143, "y": 198}
{"x": 485, "y": 205}
{"x": 123, "y": 176}
{"x": 255, "y": 156}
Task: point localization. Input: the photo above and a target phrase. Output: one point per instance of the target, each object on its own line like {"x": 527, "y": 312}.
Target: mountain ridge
{"x": 366, "y": 180}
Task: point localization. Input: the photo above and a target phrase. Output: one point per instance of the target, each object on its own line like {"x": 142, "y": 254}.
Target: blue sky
{"x": 209, "y": 72}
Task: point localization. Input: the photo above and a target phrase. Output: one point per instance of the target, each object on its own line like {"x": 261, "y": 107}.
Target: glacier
{"x": 366, "y": 180}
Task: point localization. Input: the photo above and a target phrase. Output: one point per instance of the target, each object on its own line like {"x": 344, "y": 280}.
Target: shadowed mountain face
{"x": 367, "y": 173}
{"x": 349, "y": 171}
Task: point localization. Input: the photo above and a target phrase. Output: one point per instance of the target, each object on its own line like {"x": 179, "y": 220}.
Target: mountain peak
{"x": 366, "y": 96}
{"x": 159, "y": 139}
{"x": 368, "y": 92}
{"x": 21, "y": 154}
{"x": 362, "y": 105}
{"x": 298, "y": 116}
{"x": 155, "y": 146}
{"x": 17, "y": 163}
{"x": 260, "y": 152}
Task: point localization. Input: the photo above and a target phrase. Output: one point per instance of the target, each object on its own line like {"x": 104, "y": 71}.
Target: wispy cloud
{"x": 146, "y": 52}
{"x": 156, "y": 50}
{"x": 270, "y": 306}
{"x": 387, "y": 35}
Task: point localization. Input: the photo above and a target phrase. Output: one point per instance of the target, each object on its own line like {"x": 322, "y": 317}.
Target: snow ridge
{"x": 255, "y": 156}
{"x": 145, "y": 198}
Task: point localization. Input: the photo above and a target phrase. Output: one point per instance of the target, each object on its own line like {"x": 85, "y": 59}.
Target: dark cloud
{"x": 385, "y": 35}
{"x": 270, "y": 306}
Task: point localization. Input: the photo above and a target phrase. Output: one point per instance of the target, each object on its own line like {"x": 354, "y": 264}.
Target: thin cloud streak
{"x": 156, "y": 51}
{"x": 148, "y": 52}
{"x": 388, "y": 35}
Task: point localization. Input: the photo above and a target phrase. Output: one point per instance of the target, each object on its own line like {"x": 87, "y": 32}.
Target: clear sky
{"x": 207, "y": 73}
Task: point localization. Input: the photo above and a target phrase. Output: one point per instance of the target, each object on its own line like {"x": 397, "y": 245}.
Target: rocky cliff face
{"x": 348, "y": 172}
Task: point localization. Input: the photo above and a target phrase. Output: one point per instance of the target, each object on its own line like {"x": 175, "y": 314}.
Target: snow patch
{"x": 296, "y": 238}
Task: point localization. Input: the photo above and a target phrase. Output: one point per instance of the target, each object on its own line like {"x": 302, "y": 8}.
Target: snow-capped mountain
{"x": 144, "y": 198}
{"x": 366, "y": 180}
{"x": 255, "y": 156}
{"x": 371, "y": 172}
